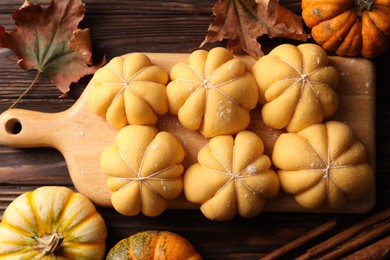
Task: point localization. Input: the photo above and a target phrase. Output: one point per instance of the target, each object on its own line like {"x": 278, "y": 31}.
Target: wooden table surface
{"x": 119, "y": 27}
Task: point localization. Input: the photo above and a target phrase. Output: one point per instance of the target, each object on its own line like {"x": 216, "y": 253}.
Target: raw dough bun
{"x": 129, "y": 90}
{"x": 297, "y": 86}
{"x": 213, "y": 92}
{"x": 232, "y": 176}
{"x": 144, "y": 169}
{"x": 323, "y": 165}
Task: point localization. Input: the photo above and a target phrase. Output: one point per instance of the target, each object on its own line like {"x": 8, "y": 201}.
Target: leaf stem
{"x": 26, "y": 91}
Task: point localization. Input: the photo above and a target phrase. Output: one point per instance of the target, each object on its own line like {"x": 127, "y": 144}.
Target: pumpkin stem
{"x": 361, "y": 5}
{"x": 48, "y": 243}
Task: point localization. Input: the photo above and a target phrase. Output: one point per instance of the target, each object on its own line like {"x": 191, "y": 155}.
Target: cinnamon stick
{"x": 301, "y": 240}
{"x": 345, "y": 235}
{"x": 378, "y": 250}
{"x": 356, "y": 243}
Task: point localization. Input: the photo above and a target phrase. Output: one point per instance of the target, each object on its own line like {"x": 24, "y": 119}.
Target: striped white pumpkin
{"x": 52, "y": 222}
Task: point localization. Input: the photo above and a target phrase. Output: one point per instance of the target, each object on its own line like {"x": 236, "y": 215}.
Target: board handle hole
{"x": 13, "y": 126}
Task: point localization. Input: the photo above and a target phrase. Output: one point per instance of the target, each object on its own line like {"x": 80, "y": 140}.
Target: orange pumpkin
{"x": 349, "y": 27}
{"x": 152, "y": 244}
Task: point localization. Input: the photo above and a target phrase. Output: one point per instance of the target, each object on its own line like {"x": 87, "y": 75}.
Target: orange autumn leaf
{"x": 242, "y": 22}
{"x": 49, "y": 41}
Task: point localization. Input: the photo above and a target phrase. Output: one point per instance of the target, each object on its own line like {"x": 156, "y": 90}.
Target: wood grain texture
{"x": 167, "y": 26}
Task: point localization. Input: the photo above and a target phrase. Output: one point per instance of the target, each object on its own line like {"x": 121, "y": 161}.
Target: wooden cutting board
{"x": 80, "y": 135}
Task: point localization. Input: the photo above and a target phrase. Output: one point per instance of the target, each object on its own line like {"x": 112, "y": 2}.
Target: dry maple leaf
{"x": 49, "y": 41}
{"x": 242, "y": 22}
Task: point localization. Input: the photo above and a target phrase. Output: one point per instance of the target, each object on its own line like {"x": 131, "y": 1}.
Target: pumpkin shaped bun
{"x": 238, "y": 174}
{"x": 323, "y": 165}
{"x": 144, "y": 169}
{"x": 297, "y": 86}
{"x": 213, "y": 92}
{"x": 52, "y": 222}
{"x": 129, "y": 90}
